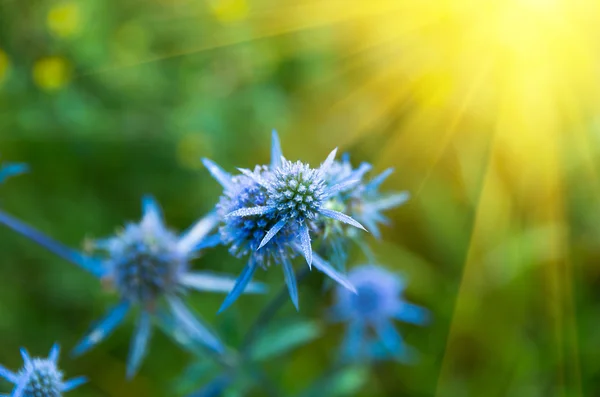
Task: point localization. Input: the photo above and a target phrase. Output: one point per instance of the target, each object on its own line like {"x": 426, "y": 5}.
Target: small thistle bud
{"x": 40, "y": 377}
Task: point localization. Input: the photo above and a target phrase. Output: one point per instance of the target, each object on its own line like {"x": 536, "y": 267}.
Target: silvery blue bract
{"x": 12, "y": 169}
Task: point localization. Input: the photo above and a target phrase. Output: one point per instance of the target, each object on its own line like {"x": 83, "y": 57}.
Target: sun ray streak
{"x": 446, "y": 138}
{"x": 466, "y": 289}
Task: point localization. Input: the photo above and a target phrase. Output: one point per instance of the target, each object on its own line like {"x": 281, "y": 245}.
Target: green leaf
{"x": 197, "y": 373}
{"x": 283, "y": 339}
{"x": 345, "y": 382}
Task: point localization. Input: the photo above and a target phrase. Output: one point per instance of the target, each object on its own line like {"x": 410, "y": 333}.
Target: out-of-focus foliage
{"x": 241, "y": 373}
{"x": 488, "y": 113}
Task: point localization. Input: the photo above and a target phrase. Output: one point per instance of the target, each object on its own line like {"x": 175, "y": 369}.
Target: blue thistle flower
{"x": 369, "y": 314}
{"x": 245, "y": 234}
{"x": 268, "y": 213}
{"x": 147, "y": 264}
{"x": 12, "y": 169}
{"x": 364, "y": 202}
{"x": 40, "y": 377}
{"x": 297, "y": 194}
{"x": 367, "y": 202}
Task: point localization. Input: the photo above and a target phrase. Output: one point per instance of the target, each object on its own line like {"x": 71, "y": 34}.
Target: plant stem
{"x": 267, "y": 314}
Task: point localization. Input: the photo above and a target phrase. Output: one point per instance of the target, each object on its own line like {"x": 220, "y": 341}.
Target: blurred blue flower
{"x": 12, "y": 169}
{"x": 214, "y": 388}
{"x": 370, "y": 312}
{"x": 269, "y": 212}
{"x": 40, "y": 377}
{"x": 144, "y": 263}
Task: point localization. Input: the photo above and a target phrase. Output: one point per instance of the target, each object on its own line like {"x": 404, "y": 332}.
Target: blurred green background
{"x": 109, "y": 100}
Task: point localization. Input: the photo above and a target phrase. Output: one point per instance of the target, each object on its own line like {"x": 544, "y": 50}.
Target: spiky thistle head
{"x": 144, "y": 260}
{"x": 268, "y": 213}
{"x": 296, "y": 191}
{"x": 296, "y": 195}
{"x": 243, "y": 235}
{"x": 147, "y": 262}
{"x": 40, "y": 377}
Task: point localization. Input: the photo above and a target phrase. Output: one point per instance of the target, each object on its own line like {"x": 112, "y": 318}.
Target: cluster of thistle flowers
{"x": 269, "y": 215}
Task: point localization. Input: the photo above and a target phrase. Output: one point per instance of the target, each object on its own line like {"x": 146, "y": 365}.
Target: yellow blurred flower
{"x": 51, "y": 73}
{"x": 4, "y": 64}
{"x": 64, "y": 19}
{"x": 229, "y": 10}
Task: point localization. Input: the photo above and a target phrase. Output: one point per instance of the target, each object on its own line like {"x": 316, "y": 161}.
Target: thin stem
{"x": 367, "y": 251}
{"x": 267, "y": 384}
{"x": 267, "y": 314}
{"x": 319, "y": 384}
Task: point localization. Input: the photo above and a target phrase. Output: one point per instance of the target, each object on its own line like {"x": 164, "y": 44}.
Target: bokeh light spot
{"x": 51, "y": 73}
{"x": 229, "y": 10}
{"x": 64, "y": 20}
{"x": 4, "y": 64}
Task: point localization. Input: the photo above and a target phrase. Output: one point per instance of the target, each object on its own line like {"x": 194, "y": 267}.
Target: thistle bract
{"x": 12, "y": 169}
{"x": 369, "y": 313}
{"x": 40, "y": 377}
{"x": 367, "y": 203}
